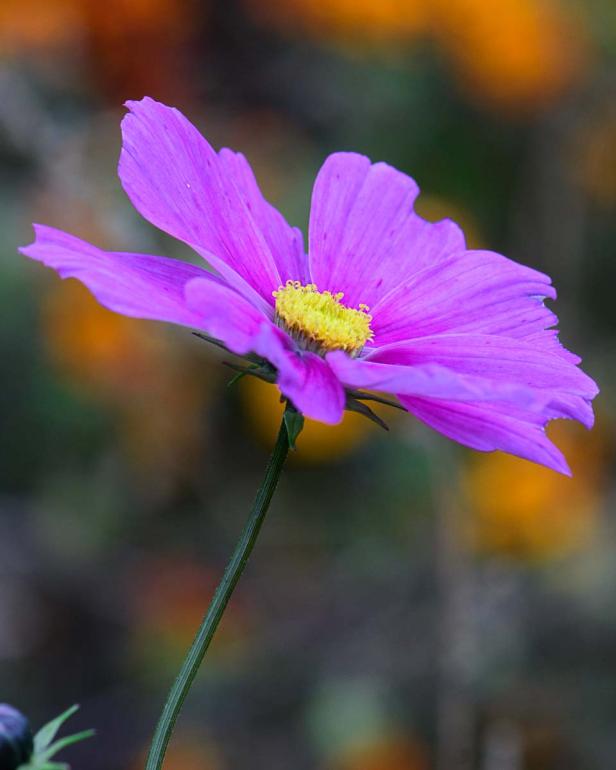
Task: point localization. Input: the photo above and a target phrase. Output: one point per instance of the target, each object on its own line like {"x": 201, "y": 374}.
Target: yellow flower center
{"x": 319, "y": 321}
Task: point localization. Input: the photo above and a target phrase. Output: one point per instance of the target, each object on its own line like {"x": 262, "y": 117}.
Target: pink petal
{"x": 475, "y": 291}
{"x": 314, "y": 389}
{"x": 304, "y": 378}
{"x": 364, "y": 236}
{"x": 488, "y": 355}
{"x": 491, "y": 426}
{"x": 286, "y": 243}
{"x": 430, "y": 380}
{"x": 132, "y": 284}
{"x": 176, "y": 181}
{"x": 225, "y": 315}
{"x": 503, "y": 360}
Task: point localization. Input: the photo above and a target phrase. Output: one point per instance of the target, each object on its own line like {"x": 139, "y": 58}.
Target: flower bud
{"x": 16, "y": 742}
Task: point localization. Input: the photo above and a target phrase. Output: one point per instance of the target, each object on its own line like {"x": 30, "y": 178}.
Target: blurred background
{"x": 410, "y": 605}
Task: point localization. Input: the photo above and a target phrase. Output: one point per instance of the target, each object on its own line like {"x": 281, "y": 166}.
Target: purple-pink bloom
{"x": 383, "y": 300}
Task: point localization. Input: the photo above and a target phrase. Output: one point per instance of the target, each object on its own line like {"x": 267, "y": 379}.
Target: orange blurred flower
{"x": 139, "y": 46}
{"x": 170, "y": 595}
{"x": 524, "y": 510}
{"x": 186, "y": 752}
{"x": 594, "y": 154}
{"x": 130, "y": 47}
{"x": 157, "y": 388}
{"x": 379, "y": 23}
{"x": 317, "y": 442}
{"x": 33, "y": 25}
{"x": 387, "y": 753}
{"x": 514, "y": 54}
{"x": 434, "y": 208}
{"x": 96, "y": 349}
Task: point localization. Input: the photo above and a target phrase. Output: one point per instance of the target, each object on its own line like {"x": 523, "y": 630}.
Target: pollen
{"x": 319, "y": 321}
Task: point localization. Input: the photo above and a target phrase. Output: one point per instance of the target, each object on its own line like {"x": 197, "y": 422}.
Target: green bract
{"x": 46, "y": 748}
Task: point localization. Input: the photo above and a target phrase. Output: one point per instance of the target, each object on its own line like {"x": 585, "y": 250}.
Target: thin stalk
{"x": 208, "y": 627}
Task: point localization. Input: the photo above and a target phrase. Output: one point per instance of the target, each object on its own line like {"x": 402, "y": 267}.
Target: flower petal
{"x": 475, "y": 291}
{"x": 502, "y": 359}
{"x": 430, "y": 380}
{"x": 225, "y": 315}
{"x": 314, "y": 389}
{"x": 491, "y": 426}
{"x": 135, "y": 285}
{"x": 303, "y": 377}
{"x": 176, "y": 181}
{"x": 364, "y": 235}
{"x": 286, "y": 243}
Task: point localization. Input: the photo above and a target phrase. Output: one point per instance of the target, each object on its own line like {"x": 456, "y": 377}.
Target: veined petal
{"x": 471, "y": 291}
{"x": 286, "y": 243}
{"x": 313, "y": 388}
{"x": 303, "y": 377}
{"x": 501, "y": 359}
{"x": 135, "y": 285}
{"x": 475, "y": 291}
{"x": 364, "y": 236}
{"x": 491, "y": 426}
{"x": 178, "y": 182}
{"x": 430, "y": 380}
{"x": 492, "y": 356}
{"x": 225, "y": 315}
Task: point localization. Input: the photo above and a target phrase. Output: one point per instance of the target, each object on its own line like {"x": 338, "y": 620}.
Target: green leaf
{"x": 49, "y": 731}
{"x": 294, "y": 422}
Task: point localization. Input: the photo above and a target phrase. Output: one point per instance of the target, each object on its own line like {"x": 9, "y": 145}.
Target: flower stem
{"x": 208, "y": 627}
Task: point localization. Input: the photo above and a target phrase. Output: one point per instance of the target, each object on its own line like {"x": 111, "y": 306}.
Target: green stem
{"x": 234, "y": 569}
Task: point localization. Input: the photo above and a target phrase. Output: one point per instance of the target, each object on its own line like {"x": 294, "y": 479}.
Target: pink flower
{"x": 383, "y": 300}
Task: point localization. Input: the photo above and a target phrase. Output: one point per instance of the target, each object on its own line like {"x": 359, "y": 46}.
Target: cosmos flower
{"x": 515, "y": 56}
{"x": 383, "y": 301}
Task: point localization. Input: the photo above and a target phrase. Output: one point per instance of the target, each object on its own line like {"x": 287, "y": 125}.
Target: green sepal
{"x": 362, "y": 395}
{"x": 294, "y": 422}
{"x": 64, "y": 743}
{"x": 240, "y": 372}
{"x": 45, "y": 748}
{"x": 262, "y": 371}
{"x": 46, "y": 766}
{"x": 217, "y": 343}
{"x": 48, "y": 732}
{"x": 353, "y": 405}
{"x": 236, "y": 378}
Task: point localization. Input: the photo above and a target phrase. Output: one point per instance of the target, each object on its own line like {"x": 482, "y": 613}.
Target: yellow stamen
{"x": 319, "y": 321}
